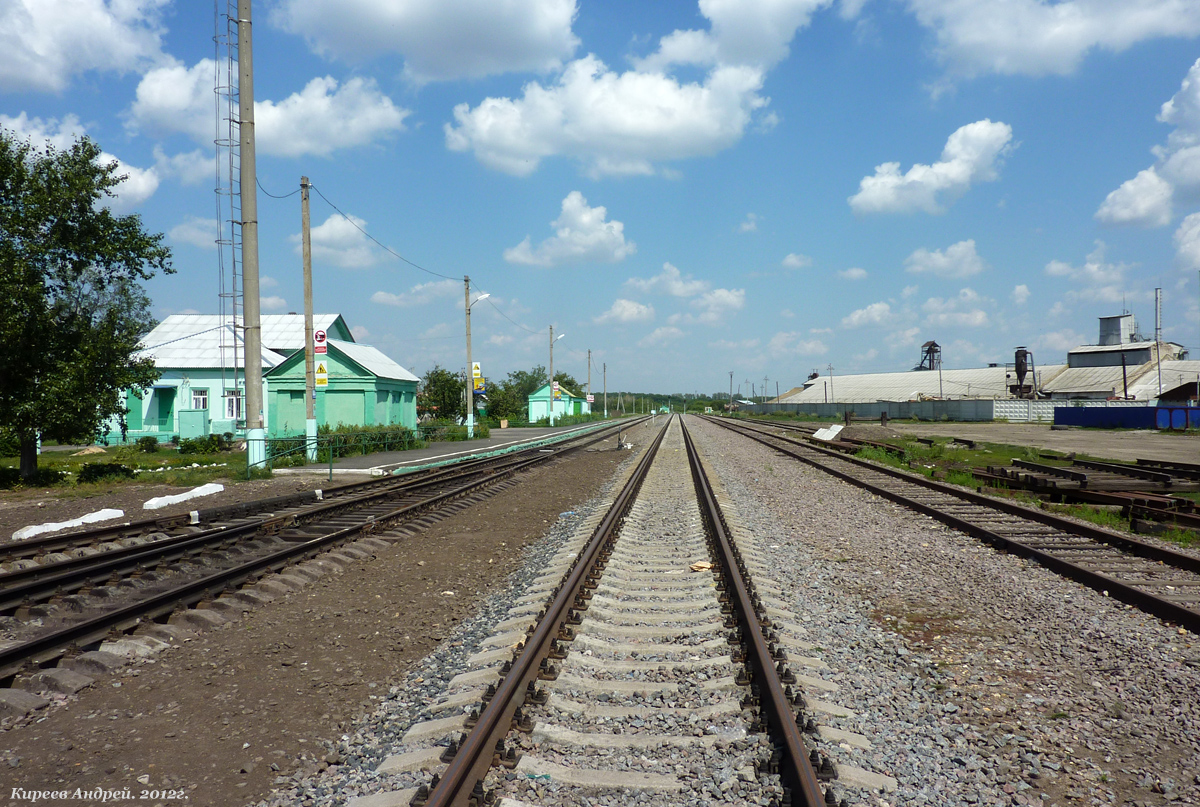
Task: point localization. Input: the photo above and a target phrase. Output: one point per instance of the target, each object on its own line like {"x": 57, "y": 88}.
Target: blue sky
{"x": 686, "y": 189}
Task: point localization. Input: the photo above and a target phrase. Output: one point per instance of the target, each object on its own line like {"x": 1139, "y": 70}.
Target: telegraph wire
{"x": 273, "y": 196}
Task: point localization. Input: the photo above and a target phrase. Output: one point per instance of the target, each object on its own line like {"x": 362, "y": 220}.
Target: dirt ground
{"x": 1126, "y": 446}
{"x": 227, "y": 712}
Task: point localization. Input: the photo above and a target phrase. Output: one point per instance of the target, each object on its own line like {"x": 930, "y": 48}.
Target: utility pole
{"x": 606, "y": 390}
{"x": 310, "y": 387}
{"x": 832, "y": 397}
{"x": 470, "y": 367}
{"x": 729, "y": 408}
{"x": 553, "y": 339}
{"x": 589, "y": 391}
{"x": 256, "y": 435}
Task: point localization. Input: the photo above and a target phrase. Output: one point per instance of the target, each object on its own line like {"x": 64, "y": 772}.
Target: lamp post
{"x": 470, "y": 367}
{"x": 553, "y": 339}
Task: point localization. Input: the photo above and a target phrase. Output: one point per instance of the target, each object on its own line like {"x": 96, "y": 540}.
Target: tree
{"x": 442, "y": 392}
{"x": 73, "y": 308}
{"x": 510, "y": 397}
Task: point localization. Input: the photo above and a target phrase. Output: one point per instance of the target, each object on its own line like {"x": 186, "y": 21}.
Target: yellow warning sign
{"x": 321, "y": 376}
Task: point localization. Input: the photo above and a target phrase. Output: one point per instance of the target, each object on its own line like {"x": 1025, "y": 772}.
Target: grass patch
{"x": 1103, "y": 518}
{"x": 121, "y": 465}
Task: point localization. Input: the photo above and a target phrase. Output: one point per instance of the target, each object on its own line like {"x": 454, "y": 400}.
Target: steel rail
{"x": 1164, "y": 609}
{"x": 52, "y": 645}
{"x": 474, "y": 755}
{"x": 795, "y": 769}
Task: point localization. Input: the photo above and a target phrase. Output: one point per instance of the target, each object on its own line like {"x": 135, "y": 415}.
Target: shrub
{"x": 147, "y": 444}
{"x": 44, "y": 478}
{"x": 98, "y": 471}
{"x": 209, "y": 444}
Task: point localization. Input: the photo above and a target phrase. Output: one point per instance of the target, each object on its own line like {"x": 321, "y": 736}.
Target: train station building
{"x": 566, "y": 402}
{"x": 202, "y": 386}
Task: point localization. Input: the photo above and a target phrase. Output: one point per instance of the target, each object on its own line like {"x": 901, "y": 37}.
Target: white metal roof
{"x": 212, "y": 348}
{"x": 280, "y": 332}
{"x": 372, "y": 359}
{"x": 1105, "y": 379}
{"x": 1168, "y": 347}
{"x": 1174, "y": 374}
{"x": 982, "y": 382}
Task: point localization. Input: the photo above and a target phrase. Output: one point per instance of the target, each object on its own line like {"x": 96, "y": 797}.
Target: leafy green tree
{"x": 510, "y": 398}
{"x": 568, "y": 381}
{"x": 73, "y": 308}
{"x": 442, "y": 394}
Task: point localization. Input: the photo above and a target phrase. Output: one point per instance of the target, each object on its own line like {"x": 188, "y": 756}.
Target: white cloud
{"x": 972, "y": 154}
{"x": 339, "y": 242}
{"x": 793, "y": 343}
{"x": 750, "y": 32}
{"x": 613, "y": 123}
{"x": 273, "y": 304}
{"x": 449, "y": 39}
{"x": 625, "y": 311}
{"x": 191, "y": 168}
{"x": 420, "y": 294}
{"x": 795, "y": 260}
{"x": 318, "y": 120}
{"x": 581, "y": 235}
{"x": 670, "y": 281}
{"x": 666, "y": 333}
{"x": 727, "y": 344}
{"x": 959, "y": 260}
{"x": 199, "y": 232}
{"x": 138, "y": 185}
{"x": 1060, "y": 341}
{"x": 43, "y": 43}
{"x": 1187, "y": 242}
{"x": 1096, "y": 280}
{"x": 853, "y": 273}
{"x": 1021, "y": 294}
{"x": 1144, "y": 200}
{"x": 1147, "y": 199}
{"x": 715, "y": 304}
{"x": 874, "y": 314}
{"x": 750, "y": 225}
{"x": 360, "y": 332}
{"x": 1036, "y": 37}
{"x": 266, "y": 281}
{"x": 905, "y": 338}
{"x": 962, "y": 310}
{"x": 909, "y": 291}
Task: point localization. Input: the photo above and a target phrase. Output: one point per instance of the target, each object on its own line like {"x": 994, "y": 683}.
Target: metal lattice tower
{"x": 228, "y": 188}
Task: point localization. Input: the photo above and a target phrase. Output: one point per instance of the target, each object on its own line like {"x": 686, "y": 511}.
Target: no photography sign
{"x": 319, "y": 342}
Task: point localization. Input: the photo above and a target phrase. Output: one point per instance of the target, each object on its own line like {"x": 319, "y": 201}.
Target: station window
{"x": 233, "y": 406}
{"x": 199, "y": 399}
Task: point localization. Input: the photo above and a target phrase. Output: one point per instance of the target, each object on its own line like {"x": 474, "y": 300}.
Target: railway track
{"x": 63, "y": 602}
{"x": 653, "y": 660}
{"x": 1154, "y": 579}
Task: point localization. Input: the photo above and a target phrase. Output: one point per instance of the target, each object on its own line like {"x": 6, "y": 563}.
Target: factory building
{"x": 202, "y": 386}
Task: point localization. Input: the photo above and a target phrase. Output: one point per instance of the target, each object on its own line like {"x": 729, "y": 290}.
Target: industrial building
{"x": 1122, "y": 368}
{"x": 201, "y": 388}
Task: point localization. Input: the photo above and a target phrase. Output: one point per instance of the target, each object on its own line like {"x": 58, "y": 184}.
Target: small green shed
{"x": 366, "y": 388}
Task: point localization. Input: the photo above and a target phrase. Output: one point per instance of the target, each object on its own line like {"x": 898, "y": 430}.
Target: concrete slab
{"x": 389, "y": 798}
{"x": 593, "y": 709}
{"x": 847, "y": 737}
{"x": 489, "y": 658}
{"x": 422, "y": 759}
{"x": 198, "y": 618}
{"x": 829, "y": 708}
{"x": 590, "y": 778}
{"x": 93, "y": 662}
{"x": 548, "y": 733}
{"x": 587, "y": 642}
{"x": 431, "y": 729}
{"x": 852, "y": 776}
{"x": 507, "y": 639}
{"x": 18, "y": 702}
{"x": 59, "y": 679}
{"x": 607, "y": 664}
{"x": 457, "y": 702}
{"x": 810, "y": 682}
{"x": 485, "y": 676}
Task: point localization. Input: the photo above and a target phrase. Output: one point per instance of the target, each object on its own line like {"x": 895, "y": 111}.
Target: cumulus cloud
{"x": 667, "y": 333}
{"x": 273, "y": 303}
{"x": 1097, "y": 280}
{"x": 446, "y": 40}
{"x": 794, "y": 260}
{"x": 1059, "y": 341}
{"x": 750, "y": 225}
{"x": 1037, "y": 37}
{"x": 613, "y": 123}
{"x": 1144, "y": 200}
{"x": 904, "y": 338}
{"x": 199, "y": 232}
{"x": 625, "y": 311}
{"x": 341, "y": 242}
{"x": 581, "y": 235}
{"x": 1021, "y": 294}
{"x": 44, "y": 43}
{"x": 714, "y": 304}
{"x": 420, "y": 294}
{"x": 794, "y": 343}
{"x": 874, "y": 314}
{"x": 1187, "y": 242}
{"x": 962, "y": 310}
{"x": 751, "y": 32}
{"x": 972, "y": 154}
{"x": 959, "y": 260}
{"x": 190, "y": 168}
{"x": 669, "y": 281}
{"x": 853, "y": 273}
{"x": 137, "y": 184}
{"x": 320, "y": 119}
{"x": 1147, "y": 199}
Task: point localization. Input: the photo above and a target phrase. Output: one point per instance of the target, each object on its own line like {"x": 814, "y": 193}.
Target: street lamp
{"x": 470, "y": 367}
{"x": 553, "y": 339}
